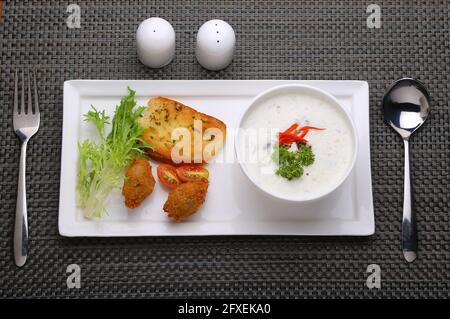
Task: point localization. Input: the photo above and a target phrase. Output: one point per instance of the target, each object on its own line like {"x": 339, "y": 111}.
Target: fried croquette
{"x": 185, "y": 200}
{"x": 139, "y": 183}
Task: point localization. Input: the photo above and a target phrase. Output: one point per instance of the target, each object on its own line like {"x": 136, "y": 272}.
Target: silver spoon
{"x": 406, "y": 106}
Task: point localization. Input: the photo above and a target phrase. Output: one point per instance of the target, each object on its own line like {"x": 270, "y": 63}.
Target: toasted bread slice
{"x": 164, "y": 116}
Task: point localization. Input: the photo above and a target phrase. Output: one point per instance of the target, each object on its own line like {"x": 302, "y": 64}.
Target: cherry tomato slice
{"x": 192, "y": 173}
{"x": 167, "y": 175}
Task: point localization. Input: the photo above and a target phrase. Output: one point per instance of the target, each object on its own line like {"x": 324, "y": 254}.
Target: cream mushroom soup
{"x": 333, "y": 148}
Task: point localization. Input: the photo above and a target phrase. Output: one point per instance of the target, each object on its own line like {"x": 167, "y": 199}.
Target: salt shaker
{"x": 155, "y": 42}
{"x": 216, "y": 43}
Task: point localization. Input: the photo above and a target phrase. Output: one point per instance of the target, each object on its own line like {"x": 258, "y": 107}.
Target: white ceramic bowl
{"x": 301, "y": 90}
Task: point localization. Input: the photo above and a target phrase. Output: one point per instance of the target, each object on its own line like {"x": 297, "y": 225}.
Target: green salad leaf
{"x": 291, "y": 163}
{"x": 102, "y": 164}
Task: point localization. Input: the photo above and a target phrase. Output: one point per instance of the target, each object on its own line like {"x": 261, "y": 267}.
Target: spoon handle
{"x": 409, "y": 226}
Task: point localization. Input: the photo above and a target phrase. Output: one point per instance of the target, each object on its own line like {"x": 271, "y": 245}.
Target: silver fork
{"x": 26, "y": 124}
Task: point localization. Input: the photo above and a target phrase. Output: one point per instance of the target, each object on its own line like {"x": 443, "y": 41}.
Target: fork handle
{"x": 21, "y": 222}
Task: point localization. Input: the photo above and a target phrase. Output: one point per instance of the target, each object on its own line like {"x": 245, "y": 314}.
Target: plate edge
{"x": 64, "y": 229}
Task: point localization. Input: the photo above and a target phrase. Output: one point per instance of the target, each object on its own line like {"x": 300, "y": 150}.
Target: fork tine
{"x": 36, "y": 106}
{"x": 30, "y": 103}
{"x": 22, "y": 102}
{"x": 16, "y": 93}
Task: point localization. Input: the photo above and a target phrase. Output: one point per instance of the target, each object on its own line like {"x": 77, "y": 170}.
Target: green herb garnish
{"x": 291, "y": 163}
{"x": 102, "y": 164}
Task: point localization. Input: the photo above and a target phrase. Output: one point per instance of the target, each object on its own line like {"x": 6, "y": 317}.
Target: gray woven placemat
{"x": 276, "y": 40}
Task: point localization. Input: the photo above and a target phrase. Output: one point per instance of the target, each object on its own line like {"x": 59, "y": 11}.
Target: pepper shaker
{"x": 216, "y": 43}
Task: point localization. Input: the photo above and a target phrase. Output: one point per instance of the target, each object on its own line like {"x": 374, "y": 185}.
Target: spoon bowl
{"x": 406, "y": 106}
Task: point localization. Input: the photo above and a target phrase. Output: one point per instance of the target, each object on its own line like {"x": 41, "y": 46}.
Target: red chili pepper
{"x": 303, "y": 134}
{"x": 307, "y": 128}
{"x": 288, "y": 137}
{"x": 286, "y": 140}
{"x": 291, "y": 128}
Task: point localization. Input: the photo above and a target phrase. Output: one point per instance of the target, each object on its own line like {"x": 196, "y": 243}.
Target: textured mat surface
{"x": 276, "y": 40}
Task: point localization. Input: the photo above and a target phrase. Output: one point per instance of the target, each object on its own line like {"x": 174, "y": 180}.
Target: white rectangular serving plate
{"x": 233, "y": 205}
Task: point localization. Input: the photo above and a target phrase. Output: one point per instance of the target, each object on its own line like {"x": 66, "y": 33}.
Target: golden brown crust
{"x": 185, "y": 200}
{"x": 163, "y": 116}
{"x": 139, "y": 183}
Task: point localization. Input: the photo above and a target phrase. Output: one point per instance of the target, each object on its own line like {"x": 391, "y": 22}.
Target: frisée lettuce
{"x": 102, "y": 164}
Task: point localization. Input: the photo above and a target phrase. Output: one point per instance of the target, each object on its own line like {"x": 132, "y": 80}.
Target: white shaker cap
{"x": 216, "y": 43}
{"x": 155, "y": 42}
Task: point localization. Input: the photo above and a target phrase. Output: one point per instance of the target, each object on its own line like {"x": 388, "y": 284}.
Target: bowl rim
{"x": 317, "y": 91}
